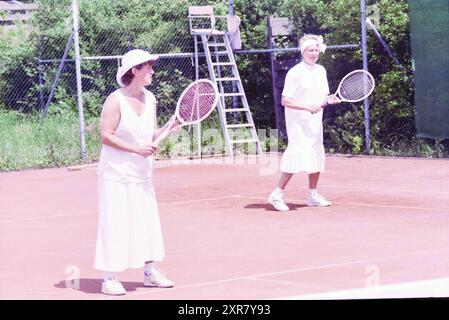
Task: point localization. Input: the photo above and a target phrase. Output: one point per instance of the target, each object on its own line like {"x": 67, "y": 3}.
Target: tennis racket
{"x": 195, "y": 104}
{"x": 355, "y": 86}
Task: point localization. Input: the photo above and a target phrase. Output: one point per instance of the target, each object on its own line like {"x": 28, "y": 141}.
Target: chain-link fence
{"x": 38, "y": 84}
{"x": 41, "y": 91}
{"x": 44, "y": 90}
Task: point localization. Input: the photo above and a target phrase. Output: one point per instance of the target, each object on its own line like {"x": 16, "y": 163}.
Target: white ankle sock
{"x": 108, "y": 275}
{"x": 278, "y": 191}
{"x": 312, "y": 192}
{"x": 149, "y": 267}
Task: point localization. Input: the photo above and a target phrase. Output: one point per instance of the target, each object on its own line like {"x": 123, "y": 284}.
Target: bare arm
{"x": 110, "y": 118}
{"x": 158, "y": 131}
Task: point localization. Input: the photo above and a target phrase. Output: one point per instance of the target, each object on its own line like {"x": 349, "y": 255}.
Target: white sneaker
{"x": 317, "y": 200}
{"x": 275, "y": 199}
{"x": 156, "y": 279}
{"x": 112, "y": 287}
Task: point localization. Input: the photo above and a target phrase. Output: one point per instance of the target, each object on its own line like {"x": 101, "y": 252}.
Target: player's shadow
{"x": 93, "y": 286}
{"x": 269, "y": 207}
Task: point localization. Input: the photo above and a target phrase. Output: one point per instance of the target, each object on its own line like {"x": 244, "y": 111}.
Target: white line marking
{"x": 47, "y": 217}
{"x": 393, "y": 206}
{"x": 164, "y": 204}
{"x": 411, "y": 289}
{"x": 362, "y": 204}
{"x": 252, "y": 277}
{"x": 397, "y": 188}
{"x": 174, "y": 203}
{"x": 292, "y": 283}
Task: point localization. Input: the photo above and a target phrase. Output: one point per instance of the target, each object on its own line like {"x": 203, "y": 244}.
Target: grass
{"x": 26, "y": 143}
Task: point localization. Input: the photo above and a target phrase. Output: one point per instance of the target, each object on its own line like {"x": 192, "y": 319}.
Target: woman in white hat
{"x": 129, "y": 230}
{"x": 305, "y": 91}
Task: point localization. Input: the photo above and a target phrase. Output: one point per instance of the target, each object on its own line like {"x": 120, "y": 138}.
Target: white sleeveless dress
{"x": 305, "y": 150}
{"x": 129, "y": 230}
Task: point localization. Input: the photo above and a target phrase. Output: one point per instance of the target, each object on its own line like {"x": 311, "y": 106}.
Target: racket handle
{"x": 326, "y": 102}
{"x": 160, "y": 138}
{"x": 168, "y": 128}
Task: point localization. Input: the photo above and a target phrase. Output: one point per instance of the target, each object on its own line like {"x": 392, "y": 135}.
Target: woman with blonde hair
{"x": 305, "y": 91}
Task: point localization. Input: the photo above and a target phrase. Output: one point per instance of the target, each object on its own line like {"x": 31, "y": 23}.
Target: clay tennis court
{"x": 386, "y": 234}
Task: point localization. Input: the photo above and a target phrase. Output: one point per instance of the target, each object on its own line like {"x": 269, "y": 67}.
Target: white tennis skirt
{"x": 296, "y": 159}
{"x": 305, "y": 150}
{"x": 129, "y": 229}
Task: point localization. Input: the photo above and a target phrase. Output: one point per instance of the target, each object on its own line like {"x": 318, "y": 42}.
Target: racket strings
{"x": 356, "y": 87}
{"x": 197, "y": 102}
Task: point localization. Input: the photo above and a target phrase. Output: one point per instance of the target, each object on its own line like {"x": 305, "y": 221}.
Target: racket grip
{"x": 171, "y": 124}
{"x": 160, "y": 138}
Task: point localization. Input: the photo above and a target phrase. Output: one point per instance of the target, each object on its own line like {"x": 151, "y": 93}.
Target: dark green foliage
{"x": 111, "y": 27}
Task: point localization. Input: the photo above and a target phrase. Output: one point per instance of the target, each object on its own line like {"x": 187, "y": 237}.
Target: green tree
{"x": 161, "y": 26}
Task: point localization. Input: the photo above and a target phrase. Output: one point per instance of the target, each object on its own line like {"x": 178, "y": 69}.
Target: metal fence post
{"x": 78, "y": 78}
{"x": 234, "y": 86}
{"x": 365, "y": 67}
{"x": 58, "y": 75}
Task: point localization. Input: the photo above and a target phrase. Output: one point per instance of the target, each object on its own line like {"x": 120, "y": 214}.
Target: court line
{"x": 293, "y": 283}
{"x": 255, "y": 276}
{"x": 384, "y": 188}
{"x": 48, "y": 217}
{"x": 163, "y": 204}
{"x": 392, "y": 206}
{"x": 173, "y": 203}
{"x": 437, "y": 287}
{"x": 365, "y": 204}
{"x": 290, "y": 199}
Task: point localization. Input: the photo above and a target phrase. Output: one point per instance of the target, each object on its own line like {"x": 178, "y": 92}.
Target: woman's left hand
{"x": 147, "y": 150}
{"x": 332, "y": 99}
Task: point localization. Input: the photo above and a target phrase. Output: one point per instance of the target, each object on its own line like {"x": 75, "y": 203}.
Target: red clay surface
{"x": 389, "y": 224}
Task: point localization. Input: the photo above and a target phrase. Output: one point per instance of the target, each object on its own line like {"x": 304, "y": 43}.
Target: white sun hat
{"x": 131, "y": 59}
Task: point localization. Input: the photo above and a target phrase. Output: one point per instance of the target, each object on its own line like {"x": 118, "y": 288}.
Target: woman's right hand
{"x": 314, "y": 109}
{"x": 146, "y": 151}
